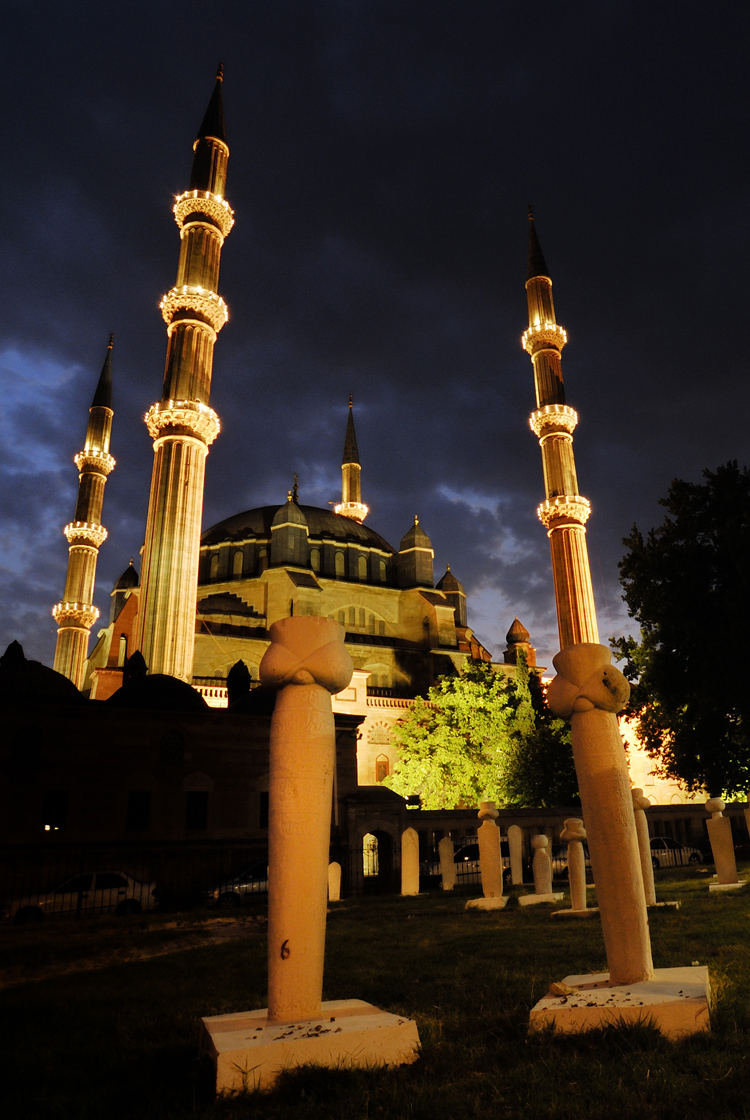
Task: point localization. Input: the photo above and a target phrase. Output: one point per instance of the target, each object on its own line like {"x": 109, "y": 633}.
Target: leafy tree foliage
{"x": 686, "y": 584}
{"x": 467, "y": 742}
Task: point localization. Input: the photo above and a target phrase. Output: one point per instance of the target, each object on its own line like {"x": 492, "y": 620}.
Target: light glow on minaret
{"x": 351, "y": 504}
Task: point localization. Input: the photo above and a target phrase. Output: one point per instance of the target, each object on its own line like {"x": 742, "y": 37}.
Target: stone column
{"x": 542, "y": 865}
{"x": 515, "y": 849}
{"x": 409, "y": 862}
{"x": 334, "y": 882}
{"x": 490, "y": 860}
{"x": 588, "y": 691}
{"x": 640, "y": 803}
{"x": 308, "y": 662}
{"x": 447, "y": 865}
{"x": 722, "y": 845}
{"x": 574, "y": 834}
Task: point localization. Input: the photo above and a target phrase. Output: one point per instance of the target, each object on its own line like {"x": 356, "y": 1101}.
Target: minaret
{"x": 76, "y": 614}
{"x": 564, "y": 512}
{"x": 182, "y": 424}
{"x": 351, "y": 487}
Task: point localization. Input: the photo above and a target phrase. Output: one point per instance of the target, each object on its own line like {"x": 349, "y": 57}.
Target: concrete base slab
{"x": 676, "y": 1001}
{"x": 536, "y": 899}
{"x": 727, "y": 886}
{"x": 590, "y": 912}
{"x": 486, "y": 903}
{"x": 249, "y": 1051}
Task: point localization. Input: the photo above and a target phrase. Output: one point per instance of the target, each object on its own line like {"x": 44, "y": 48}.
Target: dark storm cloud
{"x": 382, "y": 155}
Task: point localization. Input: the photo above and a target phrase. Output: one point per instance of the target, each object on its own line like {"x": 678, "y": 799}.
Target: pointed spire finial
{"x": 220, "y": 73}
{"x": 351, "y": 400}
{"x": 111, "y": 342}
{"x": 537, "y": 263}
{"x": 103, "y": 394}
{"x": 531, "y": 213}
{"x": 295, "y": 490}
{"x": 416, "y": 519}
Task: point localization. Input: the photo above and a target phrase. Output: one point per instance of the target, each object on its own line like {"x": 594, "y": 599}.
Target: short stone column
{"x": 722, "y": 846}
{"x": 334, "y": 882}
{"x": 447, "y": 864}
{"x": 409, "y": 862}
{"x": 490, "y": 860}
{"x": 307, "y": 662}
{"x": 574, "y": 834}
{"x": 542, "y": 865}
{"x": 588, "y": 691}
{"x": 640, "y": 804}
{"x": 515, "y": 850}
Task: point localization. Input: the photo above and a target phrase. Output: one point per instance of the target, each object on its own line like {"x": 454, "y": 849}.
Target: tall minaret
{"x": 182, "y": 424}
{"x": 76, "y": 614}
{"x": 565, "y": 512}
{"x": 351, "y": 471}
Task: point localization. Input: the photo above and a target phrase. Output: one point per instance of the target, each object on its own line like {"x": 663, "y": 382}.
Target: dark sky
{"x": 382, "y": 157}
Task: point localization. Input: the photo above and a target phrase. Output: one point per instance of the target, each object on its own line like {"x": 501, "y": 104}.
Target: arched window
{"x": 381, "y": 570}
{"x": 352, "y": 616}
{"x": 122, "y": 652}
{"x": 381, "y": 629}
{"x": 362, "y": 567}
{"x": 371, "y": 624}
{"x": 214, "y": 565}
{"x": 339, "y": 565}
{"x": 382, "y": 767}
{"x": 342, "y": 618}
{"x": 362, "y": 618}
{"x": 315, "y": 559}
{"x": 237, "y": 561}
{"x": 262, "y": 560}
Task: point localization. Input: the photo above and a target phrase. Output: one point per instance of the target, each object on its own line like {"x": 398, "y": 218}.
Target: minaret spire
{"x": 351, "y": 490}
{"x": 182, "y": 424}
{"x": 76, "y": 613}
{"x": 564, "y": 512}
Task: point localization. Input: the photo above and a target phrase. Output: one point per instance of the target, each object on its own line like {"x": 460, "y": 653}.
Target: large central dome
{"x": 255, "y": 524}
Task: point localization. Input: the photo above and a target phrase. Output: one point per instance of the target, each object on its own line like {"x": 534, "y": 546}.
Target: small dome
{"x": 26, "y": 683}
{"x": 517, "y": 633}
{"x": 449, "y": 582}
{"x": 157, "y": 693}
{"x": 289, "y": 514}
{"x": 128, "y": 579}
{"x": 415, "y": 538}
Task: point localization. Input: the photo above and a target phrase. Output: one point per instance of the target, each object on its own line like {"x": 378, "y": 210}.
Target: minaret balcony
{"x": 80, "y": 615}
{"x": 566, "y": 507}
{"x": 191, "y": 417}
{"x": 203, "y": 202}
{"x": 85, "y": 533}
{"x": 98, "y": 461}
{"x": 542, "y": 336}
{"x": 553, "y": 418}
{"x": 355, "y": 510}
{"x": 191, "y": 297}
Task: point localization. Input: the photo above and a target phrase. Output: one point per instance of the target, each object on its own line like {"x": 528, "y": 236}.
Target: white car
{"x": 666, "y": 852}
{"x": 250, "y": 884}
{"x": 94, "y": 892}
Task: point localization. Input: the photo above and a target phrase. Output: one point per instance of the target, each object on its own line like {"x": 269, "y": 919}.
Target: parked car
{"x": 559, "y": 856}
{"x": 466, "y": 859}
{"x": 666, "y": 852}
{"x": 94, "y": 892}
{"x": 249, "y": 884}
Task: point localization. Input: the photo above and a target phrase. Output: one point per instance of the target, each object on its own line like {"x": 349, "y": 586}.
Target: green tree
{"x": 539, "y": 770}
{"x": 464, "y": 743}
{"x": 686, "y": 584}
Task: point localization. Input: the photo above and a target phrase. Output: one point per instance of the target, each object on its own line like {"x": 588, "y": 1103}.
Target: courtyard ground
{"x": 100, "y": 1017}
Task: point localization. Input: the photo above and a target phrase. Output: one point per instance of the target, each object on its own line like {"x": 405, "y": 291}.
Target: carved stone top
{"x": 715, "y": 807}
{"x": 307, "y": 650}
{"x": 572, "y": 507}
{"x": 190, "y": 297}
{"x": 202, "y": 202}
{"x": 549, "y": 333}
{"x": 573, "y": 830}
{"x": 197, "y": 418}
{"x": 586, "y": 679}
{"x": 85, "y": 532}
{"x": 487, "y": 811}
{"x": 539, "y": 841}
{"x": 640, "y": 801}
{"x": 95, "y": 460}
{"x": 553, "y": 416}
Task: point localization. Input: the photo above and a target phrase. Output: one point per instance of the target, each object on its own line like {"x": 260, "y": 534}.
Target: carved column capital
{"x": 189, "y": 416}
{"x": 307, "y": 650}
{"x": 586, "y": 679}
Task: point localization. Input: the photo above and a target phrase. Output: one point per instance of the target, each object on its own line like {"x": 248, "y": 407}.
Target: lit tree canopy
{"x": 686, "y": 584}
{"x": 483, "y": 736}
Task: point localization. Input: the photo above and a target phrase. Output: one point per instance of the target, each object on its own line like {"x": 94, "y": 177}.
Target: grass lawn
{"x": 121, "y": 1039}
